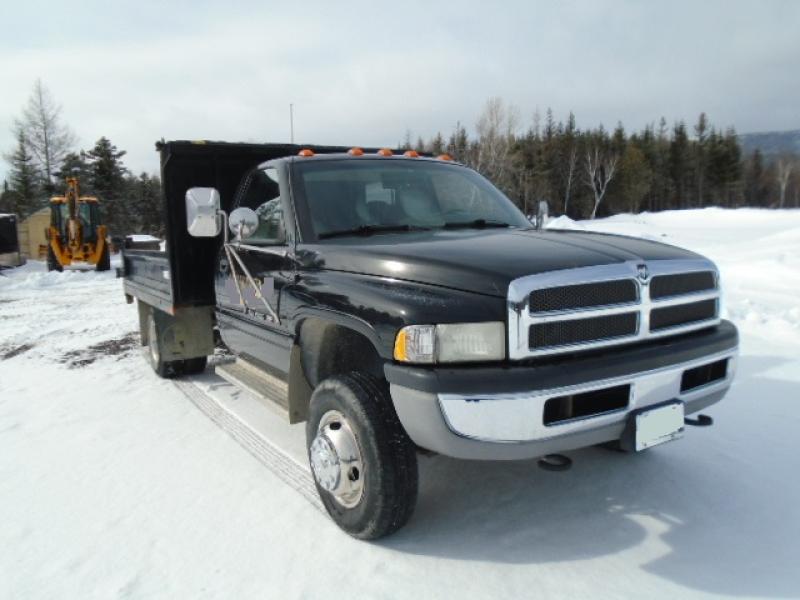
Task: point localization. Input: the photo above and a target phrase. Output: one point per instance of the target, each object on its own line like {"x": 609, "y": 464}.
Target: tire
{"x": 52, "y": 261}
{"x": 192, "y": 366}
{"x": 388, "y": 476}
{"x": 104, "y": 264}
{"x": 163, "y": 368}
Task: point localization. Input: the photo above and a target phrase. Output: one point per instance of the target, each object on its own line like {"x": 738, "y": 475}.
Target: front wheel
{"x": 363, "y": 462}
{"x": 52, "y": 261}
{"x": 104, "y": 263}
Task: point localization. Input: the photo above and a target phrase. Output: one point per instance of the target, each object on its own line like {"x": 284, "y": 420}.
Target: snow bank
{"x": 563, "y": 222}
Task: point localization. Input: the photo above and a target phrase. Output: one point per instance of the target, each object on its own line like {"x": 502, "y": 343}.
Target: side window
{"x": 262, "y": 194}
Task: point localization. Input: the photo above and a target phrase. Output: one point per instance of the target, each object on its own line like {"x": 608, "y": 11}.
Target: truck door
{"x": 250, "y": 321}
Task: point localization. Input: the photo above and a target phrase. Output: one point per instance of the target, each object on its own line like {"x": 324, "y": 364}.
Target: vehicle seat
{"x": 420, "y": 207}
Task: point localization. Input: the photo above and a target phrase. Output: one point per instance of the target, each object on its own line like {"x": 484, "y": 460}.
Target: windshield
{"x": 354, "y": 197}
{"x": 87, "y": 215}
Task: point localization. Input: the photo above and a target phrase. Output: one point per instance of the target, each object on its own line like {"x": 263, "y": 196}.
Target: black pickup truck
{"x": 396, "y": 302}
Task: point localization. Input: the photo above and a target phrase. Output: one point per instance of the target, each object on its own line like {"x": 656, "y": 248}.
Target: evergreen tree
{"x": 635, "y": 178}
{"x": 107, "y": 181}
{"x": 755, "y": 187}
{"x": 75, "y": 164}
{"x": 679, "y": 163}
{"x": 144, "y": 195}
{"x": 8, "y": 199}
{"x": 437, "y": 144}
{"x": 26, "y": 197}
{"x": 700, "y": 152}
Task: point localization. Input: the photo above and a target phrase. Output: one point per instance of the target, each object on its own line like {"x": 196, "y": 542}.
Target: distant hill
{"x": 771, "y": 143}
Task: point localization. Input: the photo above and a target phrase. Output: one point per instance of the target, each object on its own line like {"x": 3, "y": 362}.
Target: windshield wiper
{"x": 474, "y": 224}
{"x": 370, "y": 230}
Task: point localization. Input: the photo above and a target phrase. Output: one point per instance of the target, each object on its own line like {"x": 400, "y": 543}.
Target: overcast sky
{"x": 364, "y": 73}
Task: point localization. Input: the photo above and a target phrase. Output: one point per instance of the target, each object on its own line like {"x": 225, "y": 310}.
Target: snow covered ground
{"x": 114, "y": 485}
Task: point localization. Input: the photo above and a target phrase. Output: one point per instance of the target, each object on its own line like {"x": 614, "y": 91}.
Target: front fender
{"x": 377, "y": 307}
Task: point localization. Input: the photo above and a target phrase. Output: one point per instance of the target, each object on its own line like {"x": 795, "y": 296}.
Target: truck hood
{"x": 480, "y": 261}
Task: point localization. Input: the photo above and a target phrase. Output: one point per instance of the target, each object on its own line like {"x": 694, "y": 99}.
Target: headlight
{"x": 457, "y": 342}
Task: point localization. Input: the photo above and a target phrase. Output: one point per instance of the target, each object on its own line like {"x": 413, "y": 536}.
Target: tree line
{"x": 585, "y": 173}
{"x": 582, "y": 173}
{"x": 45, "y": 155}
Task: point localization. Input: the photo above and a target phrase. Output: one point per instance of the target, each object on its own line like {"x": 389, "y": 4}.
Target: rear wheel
{"x": 194, "y": 365}
{"x": 52, "y": 261}
{"x": 163, "y": 368}
{"x": 363, "y": 462}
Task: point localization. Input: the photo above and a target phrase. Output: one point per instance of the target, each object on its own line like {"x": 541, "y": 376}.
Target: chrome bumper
{"x": 511, "y": 426}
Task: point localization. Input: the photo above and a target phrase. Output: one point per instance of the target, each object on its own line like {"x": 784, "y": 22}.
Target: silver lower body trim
{"x": 511, "y": 426}
{"x": 519, "y": 417}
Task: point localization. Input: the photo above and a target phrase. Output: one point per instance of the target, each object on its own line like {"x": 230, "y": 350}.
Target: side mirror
{"x": 243, "y": 222}
{"x": 202, "y": 212}
{"x": 542, "y": 214}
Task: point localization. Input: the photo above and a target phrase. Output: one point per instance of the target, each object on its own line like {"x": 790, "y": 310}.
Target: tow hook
{"x": 700, "y": 421}
{"x": 555, "y": 462}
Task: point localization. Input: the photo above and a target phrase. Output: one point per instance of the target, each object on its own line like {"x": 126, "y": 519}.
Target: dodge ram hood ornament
{"x": 643, "y": 273}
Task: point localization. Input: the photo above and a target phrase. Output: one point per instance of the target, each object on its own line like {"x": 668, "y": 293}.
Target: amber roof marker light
{"x": 355, "y": 152}
{"x": 305, "y": 152}
{"x": 384, "y": 152}
{"x": 411, "y": 154}
{"x": 445, "y": 157}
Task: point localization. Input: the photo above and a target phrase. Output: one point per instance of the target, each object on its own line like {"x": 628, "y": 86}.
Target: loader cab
{"x": 87, "y": 211}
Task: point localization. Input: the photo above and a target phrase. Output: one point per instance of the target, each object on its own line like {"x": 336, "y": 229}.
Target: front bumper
{"x": 497, "y": 413}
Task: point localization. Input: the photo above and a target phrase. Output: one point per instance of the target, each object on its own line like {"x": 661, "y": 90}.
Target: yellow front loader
{"x": 75, "y": 234}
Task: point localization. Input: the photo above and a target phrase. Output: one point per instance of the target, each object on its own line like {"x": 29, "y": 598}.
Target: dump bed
{"x": 183, "y": 275}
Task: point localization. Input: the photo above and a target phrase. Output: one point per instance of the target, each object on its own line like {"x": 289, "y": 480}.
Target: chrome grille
{"x": 665, "y": 286}
{"x": 579, "y": 331}
{"x": 605, "y": 305}
{"x": 682, "y": 314}
{"x": 584, "y": 295}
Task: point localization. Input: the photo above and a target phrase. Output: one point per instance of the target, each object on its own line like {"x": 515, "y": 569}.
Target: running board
{"x": 271, "y": 390}
{"x": 257, "y": 429}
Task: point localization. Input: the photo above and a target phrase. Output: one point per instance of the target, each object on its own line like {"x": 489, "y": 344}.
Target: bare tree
{"x": 569, "y": 172}
{"x": 496, "y": 128}
{"x": 48, "y": 139}
{"x": 600, "y": 170}
{"x": 783, "y": 172}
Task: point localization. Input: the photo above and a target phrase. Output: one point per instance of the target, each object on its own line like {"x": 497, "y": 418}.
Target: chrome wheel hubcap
{"x": 336, "y": 459}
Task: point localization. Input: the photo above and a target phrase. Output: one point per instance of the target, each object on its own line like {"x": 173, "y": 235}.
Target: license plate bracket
{"x": 653, "y": 425}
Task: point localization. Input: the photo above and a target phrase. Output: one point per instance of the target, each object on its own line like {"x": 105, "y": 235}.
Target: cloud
{"x": 367, "y": 72}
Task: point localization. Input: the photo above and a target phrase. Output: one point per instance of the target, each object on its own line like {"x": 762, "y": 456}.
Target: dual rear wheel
{"x": 155, "y": 354}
